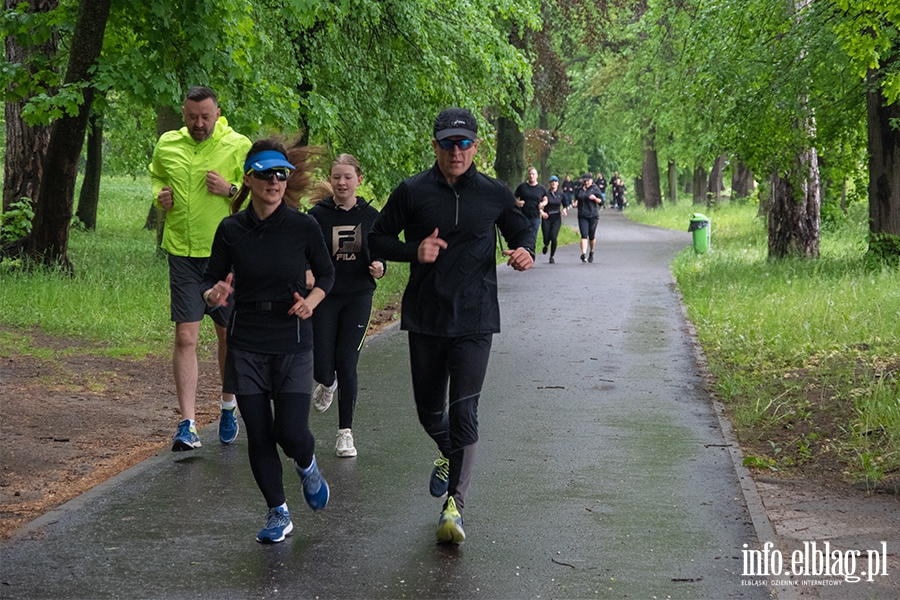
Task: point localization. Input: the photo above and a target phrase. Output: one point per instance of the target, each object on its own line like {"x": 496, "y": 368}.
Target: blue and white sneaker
{"x": 315, "y": 488}
{"x": 228, "y": 425}
{"x": 440, "y": 477}
{"x": 278, "y": 525}
{"x": 185, "y": 438}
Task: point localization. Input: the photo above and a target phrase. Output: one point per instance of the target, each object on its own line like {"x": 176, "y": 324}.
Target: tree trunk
{"x": 688, "y": 183}
{"x": 50, "y": 233}
{"x": 795, "y": 198}
{"x": 699, "y": 185}
{"x": 638, "y": 189}
{"x": 714, "y": 188}
{"x": 741, "y": 181}
{"x": 546, "y": 145}
{"x": 765, "y": 200}
{"x": 26, "y": 146}
{"x": 884, "y": 172}
{"x": 89, "y": 197}
{"x": 650, "y": 172}
{"x": 673, "y": 182}
{"x": 510, "y": 161}
{"x": 794, "y": 210}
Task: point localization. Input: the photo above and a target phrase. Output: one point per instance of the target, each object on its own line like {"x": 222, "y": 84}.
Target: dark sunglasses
{"x": 278, "y": 174}
{"x": 461, "y": 144}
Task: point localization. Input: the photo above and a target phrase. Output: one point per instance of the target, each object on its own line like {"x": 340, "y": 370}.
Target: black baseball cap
{"x": 455, "y": 121}
{"x": 587, "y": 176}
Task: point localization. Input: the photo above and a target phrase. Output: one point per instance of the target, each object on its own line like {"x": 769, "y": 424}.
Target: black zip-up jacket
{"x": 346, "y": 234}
{"x": 269, "y": 259}
{"x": 587, "y": 208}
{"x": 457, "y": 294}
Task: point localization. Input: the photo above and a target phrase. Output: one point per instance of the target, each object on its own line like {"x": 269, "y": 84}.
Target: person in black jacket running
{"x": 589, "y": 200}
{"x": 448, "y": 215}
{"x": 530, "y": 195}
{"x": 341, "y": 319}
{"x": 553, "y": 209}
{"x": 265, "y": 251}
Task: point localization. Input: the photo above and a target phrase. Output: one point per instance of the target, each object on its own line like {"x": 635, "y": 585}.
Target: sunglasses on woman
{"x": 267, "y": 175}
{"x": 461, "y": 144}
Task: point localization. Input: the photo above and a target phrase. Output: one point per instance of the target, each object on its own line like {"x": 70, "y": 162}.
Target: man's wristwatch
{"x": 233, "y": 191}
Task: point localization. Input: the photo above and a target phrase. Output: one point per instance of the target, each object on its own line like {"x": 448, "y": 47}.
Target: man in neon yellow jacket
{"x": 193, "y": 175}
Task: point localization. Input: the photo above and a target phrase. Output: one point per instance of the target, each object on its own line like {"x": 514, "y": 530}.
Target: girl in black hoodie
{"x": 341, "y": 320}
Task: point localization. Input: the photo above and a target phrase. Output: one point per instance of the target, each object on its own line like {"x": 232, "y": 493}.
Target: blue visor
{"x": 265, "y": 160}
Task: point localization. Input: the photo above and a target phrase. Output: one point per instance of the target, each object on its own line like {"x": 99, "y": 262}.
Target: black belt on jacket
{"x": 266, "y": 306}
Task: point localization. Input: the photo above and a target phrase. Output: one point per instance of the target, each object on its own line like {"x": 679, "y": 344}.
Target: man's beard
{"x": 200, "y": 134}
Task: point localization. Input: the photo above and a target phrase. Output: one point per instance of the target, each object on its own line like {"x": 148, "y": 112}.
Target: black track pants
{"x": 457, "y": 365}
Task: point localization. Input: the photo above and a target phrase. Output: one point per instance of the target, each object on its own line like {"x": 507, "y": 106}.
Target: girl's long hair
{"x": 305, "y": 160}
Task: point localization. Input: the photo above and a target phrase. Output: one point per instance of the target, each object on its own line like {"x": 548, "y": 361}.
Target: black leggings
{"x": 339, "y": 328}
{"x": 462, "y": 363}
{"x": 550, "y": 230}
{"x": 288, "y": 428}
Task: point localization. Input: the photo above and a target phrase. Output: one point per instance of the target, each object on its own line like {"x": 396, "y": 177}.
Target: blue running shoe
{"x": 315, "y": 488}
{"x": 450, "y": 529}
{"x": 440, "y": 477}
{"x": 278, "y": 525}
{"x": 228, "y": 425}
{"x": 185, "y": 438}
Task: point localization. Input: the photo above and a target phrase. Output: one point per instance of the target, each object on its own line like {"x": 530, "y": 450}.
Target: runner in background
{"x": 588, "y": 200}
{"x": 568, "y": 190}
{"x": 553, "y": 209}
{"x": 529, "y": 196}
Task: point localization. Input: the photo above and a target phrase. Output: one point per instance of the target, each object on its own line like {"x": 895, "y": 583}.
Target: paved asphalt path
{"x": 601, "y": 472}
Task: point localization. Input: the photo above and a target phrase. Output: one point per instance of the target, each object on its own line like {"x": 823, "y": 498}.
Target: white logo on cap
{"x": 458, "y": 122}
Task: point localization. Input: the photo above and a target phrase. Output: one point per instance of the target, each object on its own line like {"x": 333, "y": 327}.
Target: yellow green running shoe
{"x": 450, "y": 529}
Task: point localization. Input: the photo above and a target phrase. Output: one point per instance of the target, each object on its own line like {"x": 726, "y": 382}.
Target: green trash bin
{"x": 702, "y": 232}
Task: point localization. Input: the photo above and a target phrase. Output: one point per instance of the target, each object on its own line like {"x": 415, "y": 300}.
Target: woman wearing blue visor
{"x": 262, "y": 253}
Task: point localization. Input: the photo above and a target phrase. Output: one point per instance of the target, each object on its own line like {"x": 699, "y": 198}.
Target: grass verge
{"x": 806, "y": 353}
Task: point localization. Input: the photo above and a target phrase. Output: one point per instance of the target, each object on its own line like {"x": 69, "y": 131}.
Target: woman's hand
{"x": 300, "y": 308}
{"x": 218, "y": 294}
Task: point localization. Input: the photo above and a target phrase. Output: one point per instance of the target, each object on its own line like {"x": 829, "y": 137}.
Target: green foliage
{"x": 884, "y": 250}
{"x": 869, "y": 32}
{"x": 129, "y": 136}
{"x": 377, "y": 73}
{"x": 15, "y": 222}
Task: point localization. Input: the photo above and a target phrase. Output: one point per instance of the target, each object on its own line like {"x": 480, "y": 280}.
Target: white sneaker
{"x": 322, "y": 396}
{"x": 343, "y": 446}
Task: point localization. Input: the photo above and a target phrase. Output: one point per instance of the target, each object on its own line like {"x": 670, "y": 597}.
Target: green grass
{"x": 806, "y": 352}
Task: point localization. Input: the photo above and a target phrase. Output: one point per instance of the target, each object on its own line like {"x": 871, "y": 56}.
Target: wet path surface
{"x": 601, "y": 472}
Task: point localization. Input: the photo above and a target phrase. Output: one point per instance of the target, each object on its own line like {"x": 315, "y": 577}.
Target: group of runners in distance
{"x": 545, "y": 207}
{"x": 290, "y": 292}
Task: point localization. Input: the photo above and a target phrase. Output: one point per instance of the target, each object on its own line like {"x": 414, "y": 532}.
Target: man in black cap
{"x": 450, "y": 309}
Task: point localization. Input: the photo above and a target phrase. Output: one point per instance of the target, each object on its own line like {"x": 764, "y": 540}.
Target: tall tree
{"x": 650, "y": 172}
{"x": 89, "y": 196}
{"x": 31, "y": 43}
{"x": 741, "y": 180}
{"x": 50, "y": 231}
